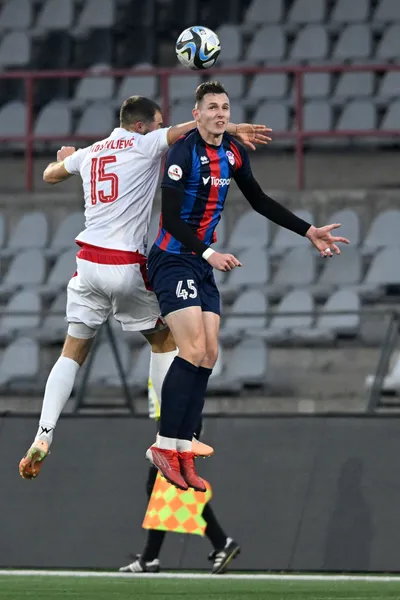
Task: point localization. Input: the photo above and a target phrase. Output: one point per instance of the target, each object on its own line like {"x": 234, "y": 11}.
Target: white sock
{"x": 183, "y": 445}
{"x": 166, "y": 443}
{"x": 58, "y": 389}
{"x": 160, "y": 363}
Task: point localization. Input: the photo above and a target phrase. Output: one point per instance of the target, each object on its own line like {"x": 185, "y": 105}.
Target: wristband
{"x": 207, "y": 253}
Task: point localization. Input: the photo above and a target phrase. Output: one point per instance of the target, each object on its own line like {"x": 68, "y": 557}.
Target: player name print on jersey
{"x": 113, "y": 145}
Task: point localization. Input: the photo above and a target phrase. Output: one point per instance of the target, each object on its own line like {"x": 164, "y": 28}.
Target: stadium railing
{"x": 298, "y": 134}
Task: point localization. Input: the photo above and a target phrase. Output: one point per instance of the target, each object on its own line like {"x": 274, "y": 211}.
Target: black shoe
{"x": 223, "y": 557}
{"x": 139, "y": 566}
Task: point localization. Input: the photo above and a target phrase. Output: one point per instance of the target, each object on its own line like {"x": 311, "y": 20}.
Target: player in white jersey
{"x": 119, "y": 176}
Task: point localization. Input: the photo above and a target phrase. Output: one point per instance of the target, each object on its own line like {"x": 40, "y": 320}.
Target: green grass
{"x": 86, "y": 588}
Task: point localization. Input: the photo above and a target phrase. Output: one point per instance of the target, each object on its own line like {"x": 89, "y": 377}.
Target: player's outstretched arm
{"x": 56, "y": 172}
{"x": 320, "y": 237}
{"x": 249, "y": 135}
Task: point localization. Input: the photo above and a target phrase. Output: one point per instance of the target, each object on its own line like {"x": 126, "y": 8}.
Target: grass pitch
{"x": 183, "y": 586}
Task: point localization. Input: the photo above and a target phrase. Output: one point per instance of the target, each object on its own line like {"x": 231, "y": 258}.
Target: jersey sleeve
{"x": 177, "y": 166}
{"x": 73, "y": 163}
{"x": 155, "y": 143}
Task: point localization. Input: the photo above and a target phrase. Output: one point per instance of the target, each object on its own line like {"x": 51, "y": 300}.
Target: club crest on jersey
{"x": 204, "y": 160}
{"x": 175, "y": 172}
{"x": 231, "y": 157}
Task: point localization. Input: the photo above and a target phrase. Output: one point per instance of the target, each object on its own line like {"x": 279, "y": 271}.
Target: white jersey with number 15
{"x": 119, "y": 177}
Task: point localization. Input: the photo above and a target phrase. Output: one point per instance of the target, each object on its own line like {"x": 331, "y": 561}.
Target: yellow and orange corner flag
{"x": 170, "y": 509}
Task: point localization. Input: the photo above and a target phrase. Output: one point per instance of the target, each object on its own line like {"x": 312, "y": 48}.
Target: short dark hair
{"x": 138, "y": 108}
{"x": 209, "y": 87}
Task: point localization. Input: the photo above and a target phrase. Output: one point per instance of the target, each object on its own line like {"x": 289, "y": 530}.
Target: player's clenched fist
{"x": 223, "y": 262}
{"x": 64, "y": 152}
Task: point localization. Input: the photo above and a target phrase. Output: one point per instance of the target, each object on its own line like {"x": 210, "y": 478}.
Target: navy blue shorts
{"x": 182, "y": 280}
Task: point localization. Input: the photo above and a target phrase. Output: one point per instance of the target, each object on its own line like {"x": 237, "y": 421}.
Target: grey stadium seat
{"x": 391, "y": 119}
{"x": 15, "y": 49}
{"x": 234, "y": 84}
{"x": 389, "y": 46}
{"x": 354, "y": 85}
{"x": 139, "y": 85}
{"x": 350, "y": 12}
{"x": 250, "y": 307}
{"x": 60, "y": 274}
{"x": 387, "y": 11}
{"x": 16, "y": 14}
{"x": 93, "y": 89}
{"x": 307, "y": 11}
{"x": 66, "y": 232}
{"x": 267, "y": 45}
{"x": 181, "y": 112}
{"x": 285, "y": 239}
{"x": 54, "y": 326}
{"x": 2, "y": 230}
{"x": 383, "y": 231}
{"x": 97, "y": 14}
{"x": 56, "y": 14}
{"x": 272, "y": 86}
{"x": 13, "y": 119}
{"x": 336, "y": 275}
{"x": 355, "y": 42}
{"x": 276, "y": 114}
{"x": 248, "y": 364}
{"x": 20, "y": 362}
{"x": 231, "y": 42}
{"x": 237, "y": 112}
{"x": 316, "y": 85}
{"x": 104, "y": 369}
{"x": 251, "y": 230}
{"x": 139, "y": 373}
{"x": 317, "y": 116}
{"x": 28, "y": 304}
{"x": 254, "y": 272}
{"x": 31, "y": 231}
{"x": 350, "y": 225}
{"x": 260, "y": 12}
{"x": 96, "y": 120}
{"x": 383, "y": 271}
{"x": 311, "y": 43}
{"x": 55, "y": 118}
{"x": 295, "y": 311}
{"x": 182, "y": 87}
{"x": 389, "y": 87}
{"x": 296, "y": 270}
{"x": 358, "y": 115}
{"x": 27, "y": 269}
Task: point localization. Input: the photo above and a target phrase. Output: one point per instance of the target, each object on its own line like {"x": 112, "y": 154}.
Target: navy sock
{"x": 192, "y": 417}
{"x": 176, "y": 396}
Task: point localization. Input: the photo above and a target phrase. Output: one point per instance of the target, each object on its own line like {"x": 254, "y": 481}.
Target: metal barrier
{"x": 298, "y": 134}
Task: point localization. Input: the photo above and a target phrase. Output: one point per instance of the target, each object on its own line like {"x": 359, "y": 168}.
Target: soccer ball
{"x": 198, "y": 47}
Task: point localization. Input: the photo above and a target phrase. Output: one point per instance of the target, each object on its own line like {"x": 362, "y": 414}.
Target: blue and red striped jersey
{"x": 203, "y": 172}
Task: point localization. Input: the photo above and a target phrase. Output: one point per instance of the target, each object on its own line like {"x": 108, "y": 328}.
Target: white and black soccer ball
{"x": 198, "y": 47}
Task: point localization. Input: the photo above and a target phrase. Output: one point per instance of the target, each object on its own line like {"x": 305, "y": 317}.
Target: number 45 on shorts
{"x": 181, "y": 292}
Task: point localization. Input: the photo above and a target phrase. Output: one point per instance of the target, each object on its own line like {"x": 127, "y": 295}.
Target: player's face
{"x": 213, "y": 113}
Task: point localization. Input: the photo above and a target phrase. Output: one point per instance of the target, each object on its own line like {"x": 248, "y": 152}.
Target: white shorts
{"x": 107, "y": 283}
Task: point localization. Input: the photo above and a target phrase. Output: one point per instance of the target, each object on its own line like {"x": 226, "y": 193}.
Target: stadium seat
{"x": 93, "y": 89}
{"x": 296, "y": 270}
{"x": 141, "y": 85}
{"x": 31, "y": 231}
{"x": 354, "y": 43}
{"x": 238, "y": 114}
{"x": 384, "y": 271}
{"x": 260, "y": 12}
{"x": 334, "y": 275}
{"x": 307, "y": 11}
{"x": 93, "y": 47}
{"x": 28, "y": 304}
{"x": 276, "y": 114}
{"x": 15, "y": 49}
{"x": 354, "y": 85}
{"x": 267, "y": 45}
{"x": 389, "y": 46}
{"x": 387, "y": 11}
{"x": 182, "y": 87}
{"x": 317, "y": 116}
{"x": 295, "y": 311}
{"x": 391, "y": 119}
{"x": 248, "y": 365}
{"x": 311, "y": 44}
{"x": 60, "y": 274}
{"x": 139, "y": 371}
{"x": 231, "y": 42}
{"x": 181, "y": 112}
{"x": 350, "y": 226}
{"x": 27, "y": 269}
{"x": 54, "y": 326}
{"x": 249, "y": 231}
{"x": 285, "y": 239}
{"x": 316, "y": 85}
{"x": 358, "y": 115}
{"x": 96, "y": 121}
{"x": 15, "y": 15}
{"x": 345, "y": 12}
{"x": 2, "y": 231}
{"x": 234, "y": 85}
{"x": 97, "y": 14}
{"x": 66, "y": 232}
{"x": 20, "y": 363}
{"x": 273, "y": 87}
{"x": 55, "y": 118}
{"x": 104, "y": 370}
{"x": 389, "y": 87}
{"x": 254, "y": 274}
{"x": 55, "y": 14}
{"x": 250, "y": 307}
{"x": 383, "y": 231}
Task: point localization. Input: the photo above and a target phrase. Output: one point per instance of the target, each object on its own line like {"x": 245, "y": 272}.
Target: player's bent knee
{"x": 81, "y": 331}
{"x": 193, "y": 351}
{"x": 77, "y": 348}
{"x": 210, "y": 358}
